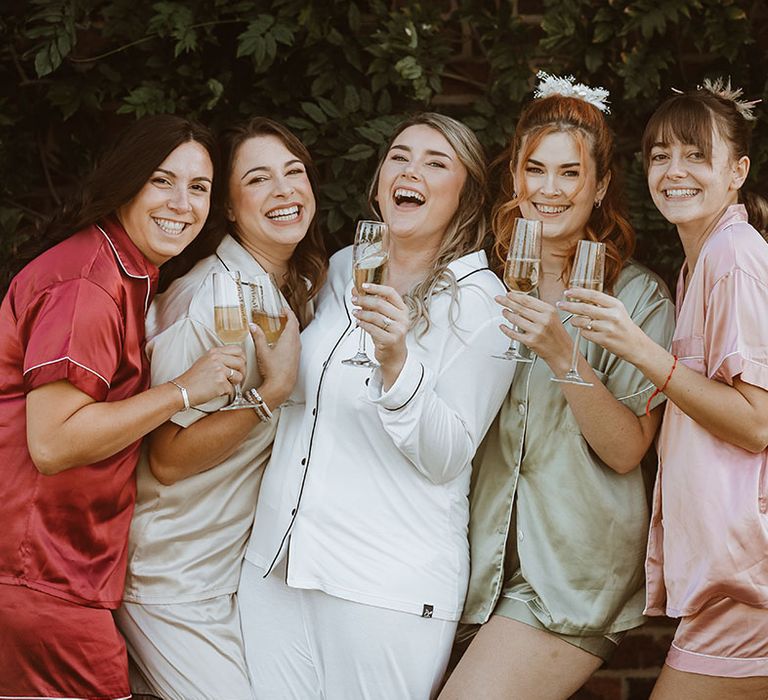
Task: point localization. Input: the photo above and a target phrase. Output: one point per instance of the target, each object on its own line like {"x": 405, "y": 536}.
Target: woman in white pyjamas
{"x": 357, "y": 567}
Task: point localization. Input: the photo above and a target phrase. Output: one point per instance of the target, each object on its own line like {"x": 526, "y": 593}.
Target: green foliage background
{"x": 341, "y": 74}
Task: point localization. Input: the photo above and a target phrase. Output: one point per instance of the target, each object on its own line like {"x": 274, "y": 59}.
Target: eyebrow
{"x": 428, "y": 152}
{"x": 562, "y": 165}
{"x": 173, "y": 174}
{"x": 265, "y": 168}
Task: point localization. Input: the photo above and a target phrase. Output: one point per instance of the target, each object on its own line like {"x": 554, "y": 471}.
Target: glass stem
{"x": 361, "y": 343}
{"x": 238, "y": 393}
{"x": 575, "y": 354}
{"x": 514, "y": 343}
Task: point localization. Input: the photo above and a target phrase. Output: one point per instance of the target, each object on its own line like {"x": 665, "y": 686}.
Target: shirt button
{"x": 303, "y": 461}
{"x": 520, "y": 535}
{"x": 521, "y": 408}
{"x": 763, "y": 504}
{"x": 314, "y": 411}
{"x": 293, "y": 511}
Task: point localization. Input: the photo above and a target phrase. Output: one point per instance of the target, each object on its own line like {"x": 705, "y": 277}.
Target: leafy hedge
{"x": 342, "y": 73}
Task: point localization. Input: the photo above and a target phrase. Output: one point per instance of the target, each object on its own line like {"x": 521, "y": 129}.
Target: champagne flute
{"x": 587, "y": 273}
{"x": 369, "y": 264}
{"x": 268, "y": 307}
{"x": 231, "y": 321}
{"x": 521, "y": 271}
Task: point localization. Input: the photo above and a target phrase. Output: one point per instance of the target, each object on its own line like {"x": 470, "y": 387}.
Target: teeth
{"x": 550, "y": 209}
{"x": 404, "y": 195}
{"x": 170, "y": 226}
{"x": 285, "y": 214}
{"x": 681, "y": 193}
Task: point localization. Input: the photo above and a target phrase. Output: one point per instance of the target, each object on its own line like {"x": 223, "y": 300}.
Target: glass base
{"x": 236, "y": 405}
{"x": 571, "y": 378}
{"x": 515, "y": 357}
{"x": 360, "y": 360}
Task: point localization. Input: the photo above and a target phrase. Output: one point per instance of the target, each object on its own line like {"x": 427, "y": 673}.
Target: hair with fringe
{"x": 118, "y": 177}
{"x": 693, "y": 118}
{"x": 309, "y": 261}
{"x": 468, "y": 228}
{"x": 586, "y": 124}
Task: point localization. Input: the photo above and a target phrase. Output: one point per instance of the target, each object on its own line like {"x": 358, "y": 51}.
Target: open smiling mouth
{"x": 551, "y": 208}
{"x": 404, "y": 196}
{"x": 171, "y": 227}
{"x": 681, "y": 193}
{"x": 284, "y": 213}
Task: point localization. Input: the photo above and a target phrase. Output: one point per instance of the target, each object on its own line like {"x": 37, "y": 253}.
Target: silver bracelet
{"x": 184, "y": 394}
{"x": 259, "y": 405}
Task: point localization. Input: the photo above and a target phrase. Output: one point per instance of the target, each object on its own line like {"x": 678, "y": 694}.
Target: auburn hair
{"x": 594, "y": 139}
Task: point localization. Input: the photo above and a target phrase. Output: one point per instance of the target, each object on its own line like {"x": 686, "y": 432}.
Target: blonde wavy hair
{"x": 468, "y": 229}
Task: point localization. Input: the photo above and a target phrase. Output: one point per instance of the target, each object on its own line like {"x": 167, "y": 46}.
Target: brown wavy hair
{"x": 608, "y": 222}
{"x": 308, "y": 265}
{"x": 690, "y": 119}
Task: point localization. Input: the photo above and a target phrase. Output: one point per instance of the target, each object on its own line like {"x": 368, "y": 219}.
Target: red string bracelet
{"x": 658, "y": 390}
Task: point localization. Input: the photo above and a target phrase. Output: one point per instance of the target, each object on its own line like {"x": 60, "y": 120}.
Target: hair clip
{"x": 720, "y": 88}
{"x": 567, "y": 87}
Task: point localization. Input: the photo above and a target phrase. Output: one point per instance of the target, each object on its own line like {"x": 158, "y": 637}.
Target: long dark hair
{"x": 588, "y": 127}
{"x": 309, "y": 261}
{"x": 119, "y": 175}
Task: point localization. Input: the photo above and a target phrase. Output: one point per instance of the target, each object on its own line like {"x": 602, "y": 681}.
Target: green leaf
{"x": 334, "y": 191}
{"x": 353, "y": 17}
{"x": 314, "y": 112}
{"x": 360, "y": 151}
{"x": 335, "y": 220}
{"x": 328, "y": 107}
{"x": 409, "y": 68}
{"x": 351, "y": 99}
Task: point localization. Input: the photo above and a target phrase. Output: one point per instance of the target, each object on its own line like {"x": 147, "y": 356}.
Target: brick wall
{"x": 631, "y": 673}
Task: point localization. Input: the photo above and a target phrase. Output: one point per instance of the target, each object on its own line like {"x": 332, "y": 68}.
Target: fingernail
{"x": 557, "y": 304}
{"x": 366, "y": 285}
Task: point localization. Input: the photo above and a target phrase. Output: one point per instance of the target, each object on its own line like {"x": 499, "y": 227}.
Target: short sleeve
{"x": 735, "y": 329}
{"x": 73, "y": 331}
{"x": 173, "y": 351}
{"x": 650, "y": 307}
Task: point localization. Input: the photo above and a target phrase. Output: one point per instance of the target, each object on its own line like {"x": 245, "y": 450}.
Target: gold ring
{"x": 231, "y": 372}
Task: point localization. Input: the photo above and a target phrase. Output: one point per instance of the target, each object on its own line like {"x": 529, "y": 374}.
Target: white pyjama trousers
{"x": 308, "y": 645}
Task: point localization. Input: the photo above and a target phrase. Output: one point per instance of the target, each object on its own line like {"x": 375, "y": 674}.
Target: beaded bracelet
{"x": 658, "y": 390}
{"x": 259, "y": 405}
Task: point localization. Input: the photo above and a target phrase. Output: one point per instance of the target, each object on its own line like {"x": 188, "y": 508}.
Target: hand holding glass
{"x": 521, "y": 271}
{"x": 230, "y": 320}
{"x": 588, "y": 273}
{"x": 268, "y": 307}
{"x": 370, "y": 255}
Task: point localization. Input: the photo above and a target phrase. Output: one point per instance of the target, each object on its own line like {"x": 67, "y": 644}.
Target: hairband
{"x": 567, "y": 87}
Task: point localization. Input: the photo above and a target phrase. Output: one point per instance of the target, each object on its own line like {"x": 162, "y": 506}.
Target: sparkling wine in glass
{"x": 370, "y": 256}
{"x": 521, "y": 270}
{"x": 230, "y": 321}
{"x": 588, "y": 273}
{"x": 268, "y": 307}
